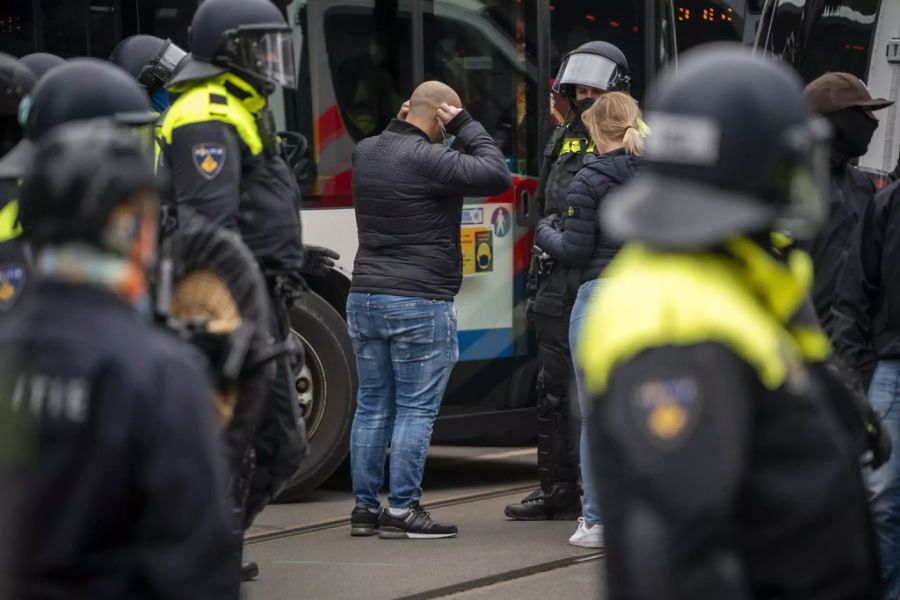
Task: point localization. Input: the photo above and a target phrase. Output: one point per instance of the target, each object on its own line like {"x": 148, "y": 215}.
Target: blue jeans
{"x": 405, "y": 349}
{"x": 884, "y": 483}
{"x": 580, "y": 312}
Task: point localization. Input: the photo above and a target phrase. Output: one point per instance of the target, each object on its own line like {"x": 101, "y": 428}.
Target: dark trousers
{"x": 557, "y": 435}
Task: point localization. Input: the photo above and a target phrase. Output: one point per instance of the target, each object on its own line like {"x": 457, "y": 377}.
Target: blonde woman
{"x": 575, "y": 241}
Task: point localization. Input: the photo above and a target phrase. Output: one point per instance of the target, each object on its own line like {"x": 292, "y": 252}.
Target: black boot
{"x": 563, "y": 504}
{"x": 249, "y": 571}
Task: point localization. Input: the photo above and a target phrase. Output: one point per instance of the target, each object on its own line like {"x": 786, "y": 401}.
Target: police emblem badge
{"x": 12, "y": 282}
{"x": 666, "y": 410}
{"x": 209, "y": 159}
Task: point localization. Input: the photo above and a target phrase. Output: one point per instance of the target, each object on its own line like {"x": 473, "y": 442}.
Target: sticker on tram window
{"x": 501, "y": 222}
{"x": 478, "y": 63}
{"x": 477, "y": 245}
{"x": 472, "y": 216}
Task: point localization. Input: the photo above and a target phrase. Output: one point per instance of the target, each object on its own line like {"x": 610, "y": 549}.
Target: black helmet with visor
{"x": 150, "y": 60}
{"x": 598, "y": 65}
{"x": 249, "y": 37}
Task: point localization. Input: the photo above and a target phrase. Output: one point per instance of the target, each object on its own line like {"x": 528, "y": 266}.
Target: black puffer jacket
{"x": 408, "y": 194}
{"x": 576, "y": 240}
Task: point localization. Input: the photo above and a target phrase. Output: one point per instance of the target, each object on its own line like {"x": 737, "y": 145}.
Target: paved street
{"x": 305, "y": 550}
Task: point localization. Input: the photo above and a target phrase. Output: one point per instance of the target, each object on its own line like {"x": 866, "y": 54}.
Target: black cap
{"x": 41, "y": 62}
{"x": 733, "y": 148}
{"x": 16, "y": 80}
{"x": 83, "y": 88}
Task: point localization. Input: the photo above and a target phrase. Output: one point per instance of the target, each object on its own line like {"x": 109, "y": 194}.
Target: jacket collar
{"x": 404, "y": 128}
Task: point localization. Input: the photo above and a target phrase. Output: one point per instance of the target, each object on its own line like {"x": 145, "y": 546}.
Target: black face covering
{"x": 853, "y": 131}
{"x": 583, "y": 104}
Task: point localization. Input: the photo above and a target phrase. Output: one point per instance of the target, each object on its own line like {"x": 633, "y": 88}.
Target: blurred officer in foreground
{"x": 125, "y": 499}
{"x": 226, "y": 165}
{"x": 847, "y": 105}
{"x": 40, "y": 63}
{"x": 725, "y": 468}
{"x": 16, "y": 82}
{"x": 151, "y": 61}
{"x": 586, "y": 73}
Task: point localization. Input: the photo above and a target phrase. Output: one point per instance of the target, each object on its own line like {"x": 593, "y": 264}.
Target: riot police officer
{"x": 16, "y": 82}
{"x": 226, "y": 165}
{"x": 151, "y": 61}
{"x": 726, "y": 467}
{"x": 590, "y": 70}
{"x": 125, "y": 431}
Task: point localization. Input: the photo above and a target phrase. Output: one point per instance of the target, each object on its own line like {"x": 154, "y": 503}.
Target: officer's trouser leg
{"x": 278, "y": 443}
{"x": 557, "y": 435}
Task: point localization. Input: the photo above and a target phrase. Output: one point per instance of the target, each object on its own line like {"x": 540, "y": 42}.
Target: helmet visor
{"x": 156, "y": 74}
{"x": 587, "y": 69}
{"x": 807, "y": 178}
{"x": 268, "y": 54}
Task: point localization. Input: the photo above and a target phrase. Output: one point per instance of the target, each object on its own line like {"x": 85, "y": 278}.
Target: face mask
{"x": 853, "y": 131}
{"x": 448, "y": 139}
{"x": 160, "y": 100}
{"x": 582, "y": 105}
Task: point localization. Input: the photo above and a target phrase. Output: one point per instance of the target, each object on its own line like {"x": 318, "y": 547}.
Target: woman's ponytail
{"x": 615, "y": 119}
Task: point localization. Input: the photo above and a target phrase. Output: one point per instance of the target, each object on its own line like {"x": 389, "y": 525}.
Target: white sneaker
{"x": 587, "y": 536}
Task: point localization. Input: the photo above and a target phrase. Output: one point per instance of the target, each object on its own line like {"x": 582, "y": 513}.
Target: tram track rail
{"x": 327, "y": 524}
{"x": 504, "y": 577}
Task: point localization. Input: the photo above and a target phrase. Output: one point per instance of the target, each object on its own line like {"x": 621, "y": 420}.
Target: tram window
{"x": 476, "y": 51}
{"x": 16, "y": 27}
{"x": 817, "y": 36}
{"x": 703, "y": 21}
{"x": 619, "y": 23}
{"x": 370, "y": 59}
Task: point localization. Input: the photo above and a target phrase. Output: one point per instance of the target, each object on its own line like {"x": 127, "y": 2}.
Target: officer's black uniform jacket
{"x": 851, "y": 191}
{"x": 724, "y": 469}
{"x": 560, "y": 169}
{"x": 125, "y": 495}
{"x": 867, "y": 309}
{"x": 408, "y": 194}
{"x": 219, "y": 167}
{"x": 580, "y": 243}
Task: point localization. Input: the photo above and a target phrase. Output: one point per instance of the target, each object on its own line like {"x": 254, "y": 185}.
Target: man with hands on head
{"x": 408, "y": 188}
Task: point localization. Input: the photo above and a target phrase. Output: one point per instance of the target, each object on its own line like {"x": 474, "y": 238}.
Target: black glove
{"x": 319, "y": 261}
{"x": 880, "y": 442}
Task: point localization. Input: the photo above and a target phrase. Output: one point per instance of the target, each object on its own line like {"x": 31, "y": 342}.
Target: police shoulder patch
{"x": 12, "y": 282}
{"x": 666, "y": 411}
{"x": 209, "y": 159}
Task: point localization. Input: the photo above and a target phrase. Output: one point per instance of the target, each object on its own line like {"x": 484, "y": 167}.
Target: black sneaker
{"x": 539, "y": 506}
{"x": 414, "y": 524}
{"x": 363, "y": 521}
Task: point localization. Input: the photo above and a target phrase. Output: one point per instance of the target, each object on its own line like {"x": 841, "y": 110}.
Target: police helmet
{"x": 83, "y": 88}
{"x": 41, "y": 62}
{"x": 250, "y": 37}
{"x": 79, "y": 173}
{"x": 595, "y": 64}
{"x": 734, "y": 150}
{"x": 150, "y": 60}
{"x": 16, "y": 81}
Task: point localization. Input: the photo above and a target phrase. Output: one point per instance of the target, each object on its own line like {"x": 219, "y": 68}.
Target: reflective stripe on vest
{"x": 10, "y": 228}
{"x": 210, "y": 101}
{"x": 654, "y": 300}
{"x": 575, "y": 145}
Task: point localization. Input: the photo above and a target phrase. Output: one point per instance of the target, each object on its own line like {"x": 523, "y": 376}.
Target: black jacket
{"x": 408, "y": 194}
{"x": 561, "y": 165}
{"x": 127, "y": 495}
{"x": 580, "y": 243}
{"x": 720, "y": 511}
{"x": 851, "y": 191}
{"x": 867, "y": 309}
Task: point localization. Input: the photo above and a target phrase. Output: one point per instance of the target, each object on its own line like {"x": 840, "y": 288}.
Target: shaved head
{"x": 429, "y": 96}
